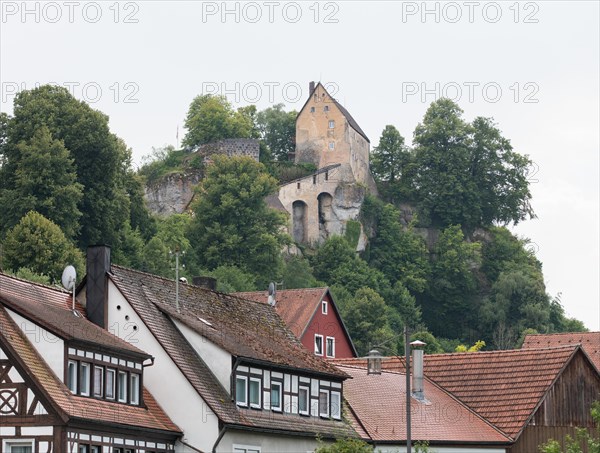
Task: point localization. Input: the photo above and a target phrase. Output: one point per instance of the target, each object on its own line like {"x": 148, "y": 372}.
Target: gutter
{"x": 219, "y": 438}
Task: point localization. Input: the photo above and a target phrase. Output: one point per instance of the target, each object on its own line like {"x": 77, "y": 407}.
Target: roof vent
{"x": 272, "y": 293}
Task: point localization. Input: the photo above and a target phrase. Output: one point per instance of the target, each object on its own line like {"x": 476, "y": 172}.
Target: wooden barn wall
{"x": 566, "y": 406}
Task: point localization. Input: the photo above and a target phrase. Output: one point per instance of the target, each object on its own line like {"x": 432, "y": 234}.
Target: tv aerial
{"x": 69, "y": 277}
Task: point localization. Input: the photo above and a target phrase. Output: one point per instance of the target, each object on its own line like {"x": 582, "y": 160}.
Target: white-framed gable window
{"x": 324, "y": 307}
{"x": 84, "y": 379}
{"x": 245, "y": 449}
{"x": 254, "y": 392}
{"x": 336, "y": 405}
{"x": 72, "y": 376}
{"x": 330, "y": 347}
{"x": 276, "y": 396}
{"x": 241, "y": 394}
{"x": 324, "y": 403}
{"x": 318, "y": 344}
{"x": 18, "y": 446}
{"x": 303, "y": 400}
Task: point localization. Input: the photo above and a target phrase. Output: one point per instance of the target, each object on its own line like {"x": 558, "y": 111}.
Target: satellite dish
{"x": 272, "y": 292}
{"x": 69, "y": 277}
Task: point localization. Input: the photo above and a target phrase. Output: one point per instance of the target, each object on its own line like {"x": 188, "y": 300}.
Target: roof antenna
{"x": 69, "y": 277}
{"x": 272, "y": 293}
{"x": 177, "y": 253}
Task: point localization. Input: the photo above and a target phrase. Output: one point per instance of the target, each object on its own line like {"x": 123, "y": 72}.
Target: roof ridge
{"x": 503, "y": 351}
{"x": 56, "y": 288}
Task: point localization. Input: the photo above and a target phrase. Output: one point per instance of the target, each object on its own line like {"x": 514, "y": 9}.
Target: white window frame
{"x": 332, "y": 346}
{"x": 306, "y": 389}
{"x": 98, "y": 394}
{"x": 280, "y": 385}
{"x": 335, "y": 407}
{"x": 8, "y": 444}
{"x": 122, "y": 399}
{"x": 72, "y": 380}
{"x": 85, "y": 378}
{"x": 331, "y": 146}
{"x": 246, "y": 449}
{"x": 322, "y": 345}
{"x": 238, "y": 401}
{"x": 113, "y": 388}
{"x": 134, "y": 388}
{"x": 259, "y": 382}
{"x": 324, "y": 307}
{"x": 326, "y": 393}
{"x": 331, "y": 124}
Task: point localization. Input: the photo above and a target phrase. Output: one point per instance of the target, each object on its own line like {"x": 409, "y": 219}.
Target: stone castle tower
{"x": 328, "y": 136}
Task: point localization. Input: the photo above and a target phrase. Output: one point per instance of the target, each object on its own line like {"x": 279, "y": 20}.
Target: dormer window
{"x": 241, "y": 396}
{"x": 122, "y": 387}
{"x": 324, "y": 403}
{"x": 110, "y": 383}
{"x": 72, "y": 376}
{"x": 276, "y": 396}
{"x": 134, "y": 386}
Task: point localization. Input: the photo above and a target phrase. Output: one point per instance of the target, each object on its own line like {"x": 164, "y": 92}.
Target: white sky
{"x": 533, "y": 66}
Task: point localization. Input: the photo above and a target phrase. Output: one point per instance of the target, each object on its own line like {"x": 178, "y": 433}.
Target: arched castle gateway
{"x": 322, "y": 203}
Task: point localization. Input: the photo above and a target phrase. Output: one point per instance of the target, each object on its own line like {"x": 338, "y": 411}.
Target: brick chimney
{"x": 311, "y": 88}
{"x": 96, "y": 289}
{"x": 206, "y": 282}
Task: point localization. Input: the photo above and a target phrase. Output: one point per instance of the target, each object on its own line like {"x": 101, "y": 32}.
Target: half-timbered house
{"x": 67, "y": 385}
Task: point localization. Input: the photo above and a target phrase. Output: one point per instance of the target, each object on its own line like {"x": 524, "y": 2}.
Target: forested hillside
{"x": 451, "y": 270}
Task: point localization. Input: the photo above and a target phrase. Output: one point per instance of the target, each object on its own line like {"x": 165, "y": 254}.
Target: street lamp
{"x": 374, "y": 360}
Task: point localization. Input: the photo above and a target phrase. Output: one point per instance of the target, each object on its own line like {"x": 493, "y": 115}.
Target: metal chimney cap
{"x": 417, "y": 343}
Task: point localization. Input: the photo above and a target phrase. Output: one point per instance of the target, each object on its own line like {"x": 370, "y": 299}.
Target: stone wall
{"x": 231, "y": 147}
{"x": 172, "y": 194}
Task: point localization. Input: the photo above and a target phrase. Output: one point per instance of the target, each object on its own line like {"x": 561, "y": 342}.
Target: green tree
{"x": 449, "y": 307}
{"x": 231, "y": 279}
{"x": 298, "y": 273}
{"x": 367, "y": 321}
{"x": 211, "y": 118}
{"x": 467, "y": 174}
{"x": 39, "y": 245}
{"x": 44, "y": 180}
{"x": 345, "y": 446}
{"x": 278, "y": 130}
{"x": 389, "y": 156}
{"x": 156, "y": 258}
{"x": 99, "y": 156}
{"x": 232, "y": 223}
{"x": 582, "y": 438}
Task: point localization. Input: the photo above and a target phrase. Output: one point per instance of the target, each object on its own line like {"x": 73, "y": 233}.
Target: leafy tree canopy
{"x": 278, "y": 130}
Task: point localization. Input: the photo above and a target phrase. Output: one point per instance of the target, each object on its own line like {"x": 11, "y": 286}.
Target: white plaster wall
{"x": 218, "y": 360}
{"x": 49, "y": 346}
{"x": 270, "y": 444}
{"x": 164, "y": 380}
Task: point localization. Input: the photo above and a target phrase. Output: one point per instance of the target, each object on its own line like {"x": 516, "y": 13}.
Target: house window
{"x": 331, "y": 145}
{"x": 72, "y": 376}
{"x": 276, "y": 396}
{"x": 303, "y": 401}
{"x": 98, "y": 381}
{"x": 95, "y": 449}
{"x": 318, "y": 344}
{"x": 19, "y": 447}
{"x": 324, "y": 403}
{"x": 134, "y": 388}
{"x": 330, "y": 347}
{"x": 84, "y": 377}
{"x": 241, "y": 396}
{"x": 245, "y": 449}
{"x": 324, "y": 307}
{"x": 326, "y": 108}
{"x": 336, "y": 405}
{"x": 312, "y": 110}
{"x": 110, "y": 383}
{"x": 122, "y": 387}
{"x": 254, "y": 392}
{"x": 331, "y": 124}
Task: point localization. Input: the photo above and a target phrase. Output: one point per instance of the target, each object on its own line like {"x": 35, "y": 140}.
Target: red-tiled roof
{"x": 248, "y": 330}
{"x": 504, "y": 387}
{"x": 295, "y": 306}
{"x": 379, "y": 403}
{"x": 51, "y": 308}
{"x": 67, "y": 405}
{"x": 589, "y": 341}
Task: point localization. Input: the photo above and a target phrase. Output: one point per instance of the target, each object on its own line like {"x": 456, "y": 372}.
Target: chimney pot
{"x": 206, "y": 282}
{"x": 96, "y": 288}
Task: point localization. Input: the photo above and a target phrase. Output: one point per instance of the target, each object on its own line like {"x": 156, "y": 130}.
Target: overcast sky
{"x": 532, "y": 66}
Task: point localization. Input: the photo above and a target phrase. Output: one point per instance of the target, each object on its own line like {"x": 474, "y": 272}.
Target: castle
{"x": 327, "y": 136}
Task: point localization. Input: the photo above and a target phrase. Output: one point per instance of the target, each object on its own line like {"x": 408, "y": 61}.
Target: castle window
{"x": 331, "y": 145}
{"x": 326, "y": 108}
{"x": 331, "y": 124}
{"x": 298, "y": 185}
{"x": 312, "y": 110}
{"x": 314, "y": 179}
{"x": 326, "y": 176}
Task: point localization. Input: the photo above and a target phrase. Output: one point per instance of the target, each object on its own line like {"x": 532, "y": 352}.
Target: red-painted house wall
{"x": 328, "y": 325}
